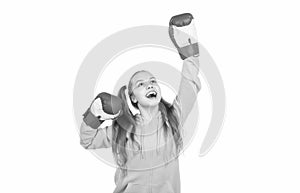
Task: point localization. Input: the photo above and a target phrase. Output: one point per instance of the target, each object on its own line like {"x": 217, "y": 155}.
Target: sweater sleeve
{"x": 95, "y": 138}
{"x": 188, "y": 89}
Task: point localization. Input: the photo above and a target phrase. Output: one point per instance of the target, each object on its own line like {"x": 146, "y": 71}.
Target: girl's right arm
{"x": 104, "y": 107}
{"x": 95, "y": 138}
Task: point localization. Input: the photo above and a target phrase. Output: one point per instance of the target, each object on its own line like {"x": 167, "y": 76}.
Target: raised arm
{"x": 183, "y": 34}
{"x": 189, "y": 87}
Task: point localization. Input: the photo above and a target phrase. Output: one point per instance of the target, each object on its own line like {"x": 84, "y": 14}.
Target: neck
{"x": 148, "y": 113}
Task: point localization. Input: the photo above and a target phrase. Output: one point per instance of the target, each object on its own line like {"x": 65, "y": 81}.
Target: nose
{"x": 149, "y": 86}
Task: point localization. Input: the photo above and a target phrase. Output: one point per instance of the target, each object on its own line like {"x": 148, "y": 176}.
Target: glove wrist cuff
{"x": 188, "y": 51}
{"x": 91, "y": 120}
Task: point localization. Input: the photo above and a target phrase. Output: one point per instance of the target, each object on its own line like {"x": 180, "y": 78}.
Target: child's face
{"x": 145, "y": 90}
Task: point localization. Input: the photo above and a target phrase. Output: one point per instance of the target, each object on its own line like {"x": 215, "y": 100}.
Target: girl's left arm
{"x": 189, "y": 87}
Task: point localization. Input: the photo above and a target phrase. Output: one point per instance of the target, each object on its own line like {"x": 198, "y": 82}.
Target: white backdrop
{"x": 254, "y": 43}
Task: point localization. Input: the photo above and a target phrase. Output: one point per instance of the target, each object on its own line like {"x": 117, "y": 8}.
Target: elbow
{"x": 198, "y": 84}
{"x": 85, "y": 145}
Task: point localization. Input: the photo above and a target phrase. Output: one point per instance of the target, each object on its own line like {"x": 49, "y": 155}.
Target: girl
{"x": 146, "y": 145}
{"x": 147, "y": 150}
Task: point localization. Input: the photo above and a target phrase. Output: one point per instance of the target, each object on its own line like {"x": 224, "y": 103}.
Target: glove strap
{"x": 91, "y": 120}
{"x": 187, "y": 51}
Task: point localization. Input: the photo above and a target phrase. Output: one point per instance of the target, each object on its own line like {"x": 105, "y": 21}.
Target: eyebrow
{"x": 143, "y": 80}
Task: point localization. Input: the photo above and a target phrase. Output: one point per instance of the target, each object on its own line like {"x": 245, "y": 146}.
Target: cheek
{"x": 158, "y": 89}
{"x": 138, "y": 94}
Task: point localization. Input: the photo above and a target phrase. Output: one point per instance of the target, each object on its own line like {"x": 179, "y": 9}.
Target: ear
{"x": 133, "y": 110}
{"x": 133, "y": 99}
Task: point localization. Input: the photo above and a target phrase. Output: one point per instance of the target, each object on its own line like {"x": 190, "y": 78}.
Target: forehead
{"x": 144, "y": 75}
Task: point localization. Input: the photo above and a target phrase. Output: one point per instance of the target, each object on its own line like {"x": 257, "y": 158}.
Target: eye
{"x": 153, "y": 81}
{"x": 140, "y": 84}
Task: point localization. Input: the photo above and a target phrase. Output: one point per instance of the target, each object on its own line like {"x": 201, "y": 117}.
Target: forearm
{"x": 189, "y": 87}
{"x": 95, "y": 138}
{"x": 93, "y": 133}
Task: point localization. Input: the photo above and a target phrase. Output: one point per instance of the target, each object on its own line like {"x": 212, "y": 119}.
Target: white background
{"x": 254, "y": 43}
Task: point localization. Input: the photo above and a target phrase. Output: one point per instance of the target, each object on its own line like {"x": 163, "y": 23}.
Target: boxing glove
{"x": 104, "y": 107}
{"x": 183, "y": 34}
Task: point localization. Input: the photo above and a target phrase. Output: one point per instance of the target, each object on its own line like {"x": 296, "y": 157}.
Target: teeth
{"x": 149, "y": 93}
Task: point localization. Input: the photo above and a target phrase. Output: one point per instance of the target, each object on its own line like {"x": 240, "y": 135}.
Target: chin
{"x": 151, "y": 103}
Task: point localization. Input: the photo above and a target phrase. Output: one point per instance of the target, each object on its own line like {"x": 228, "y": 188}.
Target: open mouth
{"x": 151, "y": 94}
